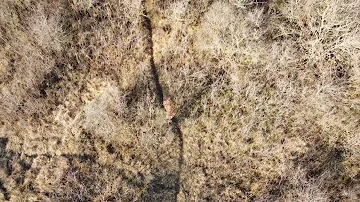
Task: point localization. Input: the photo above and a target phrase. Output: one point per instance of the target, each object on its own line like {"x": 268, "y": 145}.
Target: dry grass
{"x": 263, "y": 99}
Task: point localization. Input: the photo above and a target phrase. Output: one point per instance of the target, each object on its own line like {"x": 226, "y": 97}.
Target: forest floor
{"x": 178, "y": 100}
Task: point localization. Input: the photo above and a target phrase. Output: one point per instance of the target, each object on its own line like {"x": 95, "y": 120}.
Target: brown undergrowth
{"x": 157, "y": 100}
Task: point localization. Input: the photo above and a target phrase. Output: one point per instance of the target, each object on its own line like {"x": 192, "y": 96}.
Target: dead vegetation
{"x": 155, "y": 100}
